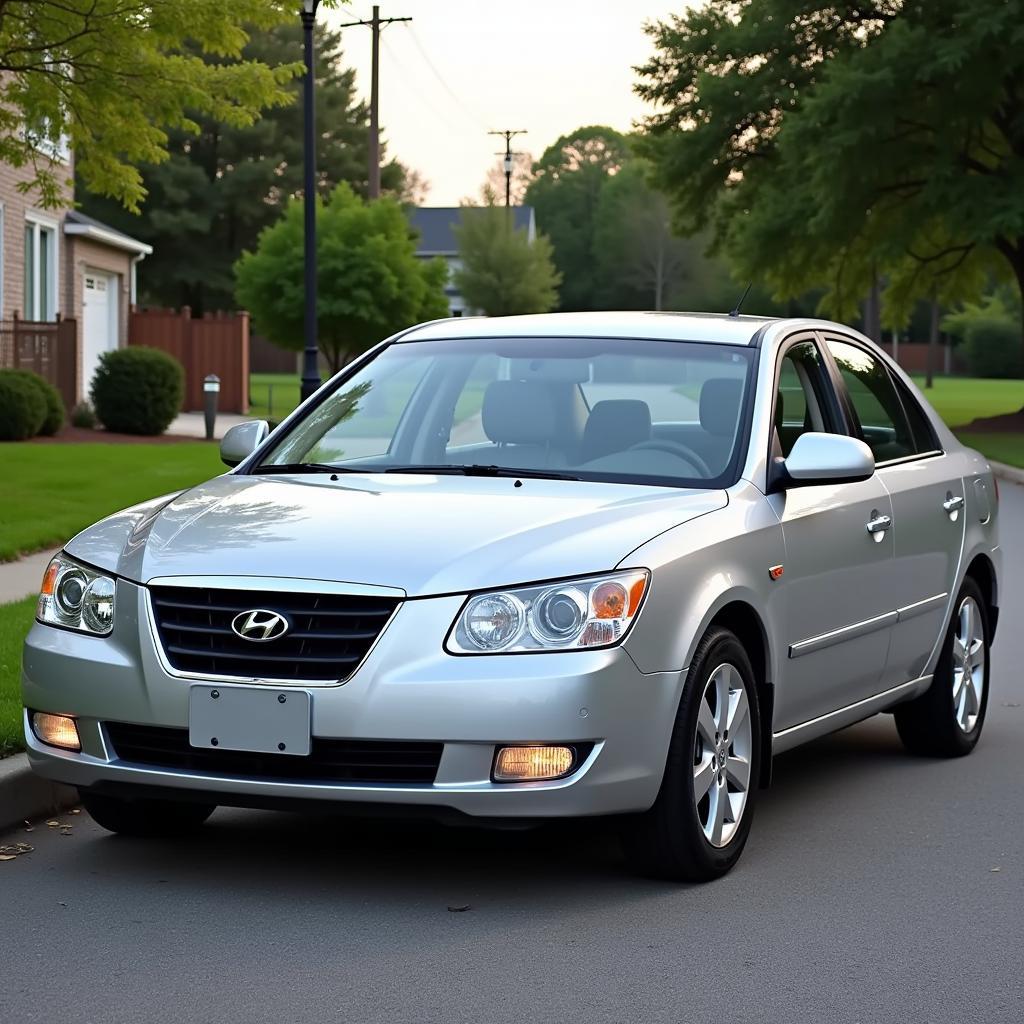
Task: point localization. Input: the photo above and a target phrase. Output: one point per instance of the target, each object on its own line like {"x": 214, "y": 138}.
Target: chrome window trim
{"x": 837, "y": 636}
{"x": 270, "y": 583}
{"x": 933, "y": 454}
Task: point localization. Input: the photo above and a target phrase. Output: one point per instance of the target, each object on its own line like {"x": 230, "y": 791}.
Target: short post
{"x": 211, "y": 394}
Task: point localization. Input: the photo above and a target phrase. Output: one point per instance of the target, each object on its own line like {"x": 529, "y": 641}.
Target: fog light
{"x": 56, "y": 730}
{"x": 531, "y": 764}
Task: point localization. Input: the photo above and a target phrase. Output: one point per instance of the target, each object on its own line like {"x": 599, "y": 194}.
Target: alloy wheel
{"x": 968, "y": 664}
{"x": 721, "y": 755}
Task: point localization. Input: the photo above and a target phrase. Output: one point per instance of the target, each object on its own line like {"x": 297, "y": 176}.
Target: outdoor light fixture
{"x": 532, "y": 764}
{"x": 56, "y": 730}
{"x": 310, "y": 352}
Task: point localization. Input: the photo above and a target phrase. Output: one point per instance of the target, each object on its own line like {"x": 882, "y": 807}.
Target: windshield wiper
{"x": 307, "y": 467}
{"x": 478, "y": 470}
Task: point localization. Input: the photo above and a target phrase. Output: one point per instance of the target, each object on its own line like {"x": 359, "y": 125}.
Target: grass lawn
{"x": 1008, "y": 448}
{"x": 51, "y": 491}
{"x": 272, "y": 395}
{"x": 958, "y": 400}
{"x": 15, "y": 620}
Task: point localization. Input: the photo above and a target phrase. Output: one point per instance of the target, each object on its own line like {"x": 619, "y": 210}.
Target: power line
{"x": 466, "y": 109}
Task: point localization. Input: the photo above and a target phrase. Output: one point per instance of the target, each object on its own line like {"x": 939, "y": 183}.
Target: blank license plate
{"x": 263, "y": 720}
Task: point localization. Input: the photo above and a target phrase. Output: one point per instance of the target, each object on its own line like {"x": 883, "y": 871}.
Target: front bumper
{"x": 407, "y": 689}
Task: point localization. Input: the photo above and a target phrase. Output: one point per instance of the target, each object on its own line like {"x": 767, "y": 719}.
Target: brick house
{"x": 58, "y": 264}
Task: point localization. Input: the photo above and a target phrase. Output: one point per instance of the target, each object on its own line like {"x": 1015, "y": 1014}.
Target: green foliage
{"x": 113, "y": 79}
{"x": 15, "y": 621}
{"x": 564, "y": 192}
{"x": 22, "y": 406}
{"x": 370, "y": 283}
{"x": 83, "y": 416}
{"x": 209, "y": 201}
{"x": 503, "y": 272}
{"x": 54, "y": 418}
{"x": 823, "y": 144}
{"x": 137, "y": 390}
{"x": 993, "y": 349}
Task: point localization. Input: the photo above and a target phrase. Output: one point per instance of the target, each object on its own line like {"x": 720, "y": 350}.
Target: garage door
{"x": 99, "y": 321}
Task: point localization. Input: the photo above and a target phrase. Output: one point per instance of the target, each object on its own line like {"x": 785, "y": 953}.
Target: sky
{"x": 464, "y": 67}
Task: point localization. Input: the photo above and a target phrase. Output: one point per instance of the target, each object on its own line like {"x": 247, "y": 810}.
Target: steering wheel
{"x": 681, "y": 451}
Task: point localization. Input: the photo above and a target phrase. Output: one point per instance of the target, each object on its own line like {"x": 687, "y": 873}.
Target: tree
{"x": 370, "y": 282}
{"x": 111, "y": 79}
{"x": 222, "y": 186}
{"x": 503, "y": 272}
{"x": 833, "y": 144}
{"x": 565, "y": 190}
{"x": 640, "y": 260}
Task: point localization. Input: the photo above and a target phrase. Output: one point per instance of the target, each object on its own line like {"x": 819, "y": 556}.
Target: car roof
{"x": 714, "y": 327}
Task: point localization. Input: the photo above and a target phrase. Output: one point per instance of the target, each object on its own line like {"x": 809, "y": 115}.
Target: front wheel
{"x": 947, "y": 719}
{"x": 699, "y": 823}
{"x": 147, "y": 818}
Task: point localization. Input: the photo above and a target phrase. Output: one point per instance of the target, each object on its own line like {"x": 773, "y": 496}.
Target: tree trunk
{"x": 933, "y": 342}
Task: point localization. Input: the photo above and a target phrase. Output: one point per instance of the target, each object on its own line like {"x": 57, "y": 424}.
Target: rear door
{"x": 927, "y": 501}
{"x": 834, "y": 594}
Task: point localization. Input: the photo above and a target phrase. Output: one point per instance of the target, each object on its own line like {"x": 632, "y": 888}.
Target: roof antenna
{"x": 743, "y": 298}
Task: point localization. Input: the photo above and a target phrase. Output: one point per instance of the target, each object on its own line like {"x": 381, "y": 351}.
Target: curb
{"x": 1004, "y": 472}
{"x": 23, "y": 794}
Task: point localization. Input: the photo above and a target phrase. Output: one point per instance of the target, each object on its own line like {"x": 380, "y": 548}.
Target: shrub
{"x": 54, "y": 419}
{"x": 137, "y": 390}
{"x": 992, "y": 345}
{"x": 22, "y": 406}
{"x": 83, "y": 416}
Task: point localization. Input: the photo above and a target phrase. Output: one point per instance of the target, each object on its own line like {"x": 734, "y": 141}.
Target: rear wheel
{"x": 699, "y": 823}
{"x": 149, "y": 818}
{"x": 946, "y": 721}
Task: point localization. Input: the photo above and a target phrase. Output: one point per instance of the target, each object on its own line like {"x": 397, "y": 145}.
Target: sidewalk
{"x": 22, "y": 578}
{"x": 193, "y": 424}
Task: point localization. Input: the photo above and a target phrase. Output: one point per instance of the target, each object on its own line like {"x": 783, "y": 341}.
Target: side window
{"x": 922, "y": 431}
{"x": 801, "y": 395}
{"x": 881, "y": 418}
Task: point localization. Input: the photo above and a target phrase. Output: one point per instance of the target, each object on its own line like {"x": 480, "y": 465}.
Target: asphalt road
{"x": 875, "y": 887}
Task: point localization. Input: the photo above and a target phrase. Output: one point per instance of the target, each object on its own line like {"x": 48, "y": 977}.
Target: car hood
{"x": 420, "y": 534}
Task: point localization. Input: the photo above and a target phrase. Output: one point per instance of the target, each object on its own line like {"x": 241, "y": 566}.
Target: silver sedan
{"x": 522, "y": 568}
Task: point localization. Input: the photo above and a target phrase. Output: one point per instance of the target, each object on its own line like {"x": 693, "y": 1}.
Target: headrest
{"x": 518, "y": 412}
{"x": 720, "y": 405}
{"x": 614, "y": 426}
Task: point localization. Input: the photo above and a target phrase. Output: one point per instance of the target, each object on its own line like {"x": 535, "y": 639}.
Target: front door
{"x": 835, "y": 591}
{"x": 927, "y": 500}
{"x": 99, "y": 321}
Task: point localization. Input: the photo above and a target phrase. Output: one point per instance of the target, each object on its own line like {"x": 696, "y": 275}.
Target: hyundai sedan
{"x": 513, "y": 569}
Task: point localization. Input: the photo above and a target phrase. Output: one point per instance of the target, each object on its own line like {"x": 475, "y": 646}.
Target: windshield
{"x": 664, "y": 412}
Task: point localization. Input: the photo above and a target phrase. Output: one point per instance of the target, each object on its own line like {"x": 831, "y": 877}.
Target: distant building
{"x": 435, "y": 224}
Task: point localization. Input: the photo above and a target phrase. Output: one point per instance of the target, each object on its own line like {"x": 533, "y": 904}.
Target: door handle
{"x": 877, "y": 525}
{"x": 953, "y": 504}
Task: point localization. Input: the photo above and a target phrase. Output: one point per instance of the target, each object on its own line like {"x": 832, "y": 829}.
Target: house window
{"x": 40, "y": 271}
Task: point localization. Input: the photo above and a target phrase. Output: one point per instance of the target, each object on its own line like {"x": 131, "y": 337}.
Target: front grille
{"x": 330, "y": 761}
{"x": 328, "y": 637}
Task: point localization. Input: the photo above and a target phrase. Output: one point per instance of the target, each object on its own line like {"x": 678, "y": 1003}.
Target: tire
{"x": 947, "y": 719}
{"x": 683, "y": 837}
{"x": 150, "y": 819}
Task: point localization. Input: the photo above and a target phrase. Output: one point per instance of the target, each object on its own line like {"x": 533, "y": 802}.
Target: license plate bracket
{"x": 259, "y": 720}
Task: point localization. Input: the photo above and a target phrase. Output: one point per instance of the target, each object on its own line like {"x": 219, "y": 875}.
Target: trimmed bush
{"x": 83, "y": 416}
{"x": 137, "y": 390}
{"x": 992, "y": 345}
{"x": 22, "y": 407}
{"x": 54, "y": 403}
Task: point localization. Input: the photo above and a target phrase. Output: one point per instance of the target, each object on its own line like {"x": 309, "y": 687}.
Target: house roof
{"x": 435, "y": 223}
{"x": 76, "y": 223}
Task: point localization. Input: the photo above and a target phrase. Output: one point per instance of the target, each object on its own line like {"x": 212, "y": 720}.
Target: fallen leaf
{"x": 77, "y": 810}
{"x": 53, "y": 824}
{"x": 995, "y": 869}
{"x": 7, "y": 856}
{"x": 460, "y": 909}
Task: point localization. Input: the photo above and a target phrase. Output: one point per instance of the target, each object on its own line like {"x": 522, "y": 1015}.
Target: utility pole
{"x": 375, "y": 24}
{"x": 508, "y": 154}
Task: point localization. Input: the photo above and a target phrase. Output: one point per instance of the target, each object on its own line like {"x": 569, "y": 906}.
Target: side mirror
{"x": 825, "y": 459}
{"x": 242, "y": 440}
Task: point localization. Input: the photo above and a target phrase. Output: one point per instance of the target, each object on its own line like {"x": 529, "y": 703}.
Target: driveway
{"x": 875, "y": 887}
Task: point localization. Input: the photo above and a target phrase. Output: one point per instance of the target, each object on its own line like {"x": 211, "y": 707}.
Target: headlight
{"x": 586, "y": 613}
{"x": 76, "y": 597}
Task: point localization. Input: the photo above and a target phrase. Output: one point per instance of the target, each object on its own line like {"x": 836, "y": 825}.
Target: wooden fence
{"x": 49, "y": 349}
{"x": 913, "y": 357}
{"x": 215, "y": 343}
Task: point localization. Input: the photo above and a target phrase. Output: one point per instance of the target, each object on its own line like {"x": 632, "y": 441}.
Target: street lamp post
{"x": 310, "y": 359}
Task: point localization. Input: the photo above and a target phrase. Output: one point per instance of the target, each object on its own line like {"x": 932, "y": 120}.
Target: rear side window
{"x": 921, "y": 429}
{"x": 881, "y": 418}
